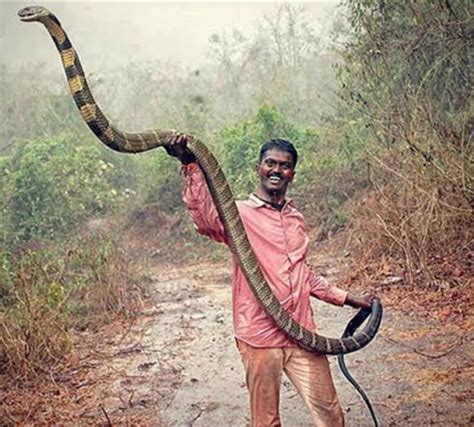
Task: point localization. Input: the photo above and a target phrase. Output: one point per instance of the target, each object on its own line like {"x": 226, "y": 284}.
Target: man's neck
{"x": 274, "y": 199}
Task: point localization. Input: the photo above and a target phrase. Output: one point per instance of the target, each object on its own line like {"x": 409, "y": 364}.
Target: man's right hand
{"x": 178, "y": 148}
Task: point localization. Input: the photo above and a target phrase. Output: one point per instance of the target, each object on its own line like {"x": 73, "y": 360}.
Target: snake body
{"x": 351, "y": 327}
{"x": 220, "y": 191}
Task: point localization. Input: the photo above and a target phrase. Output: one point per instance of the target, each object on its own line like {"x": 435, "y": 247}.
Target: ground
{"x": 177, "y": 364}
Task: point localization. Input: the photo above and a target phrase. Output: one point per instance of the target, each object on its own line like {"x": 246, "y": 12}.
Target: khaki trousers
{"x": 309, "y": 373}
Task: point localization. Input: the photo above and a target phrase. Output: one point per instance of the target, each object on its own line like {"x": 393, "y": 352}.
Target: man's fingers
{"x": 370, "y": 299}
{"x": 178, "y": 143}
{"x": 182, "y": 140}
{"x": 178, "y": 148}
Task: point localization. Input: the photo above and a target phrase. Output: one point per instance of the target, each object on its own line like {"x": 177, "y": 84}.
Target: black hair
{"x": 279, "y": 144}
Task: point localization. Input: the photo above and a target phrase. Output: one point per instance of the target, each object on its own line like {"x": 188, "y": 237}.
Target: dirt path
{"x": 179, "y": 365}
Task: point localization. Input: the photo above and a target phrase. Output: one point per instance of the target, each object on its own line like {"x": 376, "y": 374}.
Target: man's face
{"x": 276, "y": 171}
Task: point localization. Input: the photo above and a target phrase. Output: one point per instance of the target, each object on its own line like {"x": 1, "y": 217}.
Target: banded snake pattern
{"x": 221, "y": 193}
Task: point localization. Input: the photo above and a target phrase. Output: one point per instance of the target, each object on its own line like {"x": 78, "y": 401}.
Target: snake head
{"x": 33, "y": 13}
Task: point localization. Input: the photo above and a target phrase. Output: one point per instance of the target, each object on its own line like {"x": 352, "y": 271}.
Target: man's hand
{"x": 179, "y": 149}
{"x": 364, "y": 301}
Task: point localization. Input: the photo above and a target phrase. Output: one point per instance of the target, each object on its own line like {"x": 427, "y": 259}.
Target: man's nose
{"x": 277, "y": 168}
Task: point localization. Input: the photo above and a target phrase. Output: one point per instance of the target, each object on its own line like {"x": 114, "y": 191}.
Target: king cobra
{"x": 220, "y": 191}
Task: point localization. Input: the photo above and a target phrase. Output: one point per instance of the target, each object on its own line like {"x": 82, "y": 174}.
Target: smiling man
{"x": 279, "y": 240}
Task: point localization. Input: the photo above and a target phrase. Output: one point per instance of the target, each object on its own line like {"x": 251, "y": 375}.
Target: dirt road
{"x": 179, "y": 364}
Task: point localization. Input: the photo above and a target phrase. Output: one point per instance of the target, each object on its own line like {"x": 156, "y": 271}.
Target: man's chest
{"x": 280, "y": 232}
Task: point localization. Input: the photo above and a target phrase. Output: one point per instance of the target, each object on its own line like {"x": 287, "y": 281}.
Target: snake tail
{"x": 351, "y": 327}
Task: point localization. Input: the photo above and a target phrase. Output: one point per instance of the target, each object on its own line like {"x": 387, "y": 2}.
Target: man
{"x": 277, "y": 234}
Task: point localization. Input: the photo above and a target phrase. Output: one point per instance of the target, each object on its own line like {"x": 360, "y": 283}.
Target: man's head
{"x": 281, "y": 145}
{"x": 276, "y": 167}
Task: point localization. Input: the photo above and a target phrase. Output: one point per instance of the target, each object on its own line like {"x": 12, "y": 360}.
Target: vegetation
{"x": 405, "y": 87}
{"x": 53, "y": 186}
{"x": 45, "y": 293}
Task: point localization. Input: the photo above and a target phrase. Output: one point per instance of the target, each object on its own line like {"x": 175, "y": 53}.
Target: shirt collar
{"x": 258, "y": 203}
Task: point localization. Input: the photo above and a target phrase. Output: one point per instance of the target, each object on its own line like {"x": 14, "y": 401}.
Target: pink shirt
{"x": 280, "y": 243}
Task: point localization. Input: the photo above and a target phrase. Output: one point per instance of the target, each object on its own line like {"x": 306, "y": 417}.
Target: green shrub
{"x": 328, "y": 171}
{"x": 158, "y": 181}
{"x": 52, "y": 184}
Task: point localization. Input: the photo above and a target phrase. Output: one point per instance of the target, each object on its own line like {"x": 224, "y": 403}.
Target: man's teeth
{"x": 275, "y": 179}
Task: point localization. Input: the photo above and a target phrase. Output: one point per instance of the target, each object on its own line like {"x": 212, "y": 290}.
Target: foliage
{"x": 34, "y": 105}
{"x": 329, "y": 170}
{"x": 51, "y": 185}
{"x": 159, "y": 181}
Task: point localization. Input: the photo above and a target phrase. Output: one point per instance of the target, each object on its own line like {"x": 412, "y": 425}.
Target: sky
{"x": 109, "y": 32}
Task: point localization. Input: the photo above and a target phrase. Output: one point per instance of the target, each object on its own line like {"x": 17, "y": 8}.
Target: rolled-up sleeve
{"x": 200, "y": 205}
{"x": 321, "y": 289}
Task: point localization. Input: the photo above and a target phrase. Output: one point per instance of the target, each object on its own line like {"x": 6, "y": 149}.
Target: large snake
{"x": 221, "y": 193}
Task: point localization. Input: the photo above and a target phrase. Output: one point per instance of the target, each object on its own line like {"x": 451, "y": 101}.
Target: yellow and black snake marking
{"x": 218, "y": 187}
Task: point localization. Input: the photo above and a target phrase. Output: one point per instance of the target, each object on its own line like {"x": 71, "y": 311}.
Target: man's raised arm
{"x": 196, "y": 195}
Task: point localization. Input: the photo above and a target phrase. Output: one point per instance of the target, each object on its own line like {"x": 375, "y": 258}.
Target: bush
{"x": 52, "y": 185}
{"x": 158, "y": 181}
{"x": 47, "y": 292}
{"x": 405, "y": 85}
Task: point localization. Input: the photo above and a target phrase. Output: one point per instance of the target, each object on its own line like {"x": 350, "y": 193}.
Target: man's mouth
{"x": 275, "y": 179}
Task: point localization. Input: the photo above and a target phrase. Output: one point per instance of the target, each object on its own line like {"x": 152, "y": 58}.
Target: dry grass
{"x": 416, "y": 222}
{"x": 46, "y": 293}
{"x": 109, "y": 286}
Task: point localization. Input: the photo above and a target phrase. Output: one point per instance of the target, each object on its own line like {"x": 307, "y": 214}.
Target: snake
{"x": 125, "y": 142}
{"x": 351, "y": 327}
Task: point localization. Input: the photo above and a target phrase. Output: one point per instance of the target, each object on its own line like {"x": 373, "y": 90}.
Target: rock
{"x": 197, "y": 316}
{"x": 392, "y": 279}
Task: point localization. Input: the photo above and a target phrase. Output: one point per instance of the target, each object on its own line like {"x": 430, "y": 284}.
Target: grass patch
{"x": 46, "y": 293}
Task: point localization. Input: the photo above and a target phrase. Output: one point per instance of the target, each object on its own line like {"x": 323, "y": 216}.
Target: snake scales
{"x": 219, "y": 189}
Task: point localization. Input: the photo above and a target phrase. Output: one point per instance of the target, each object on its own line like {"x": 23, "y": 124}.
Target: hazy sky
{"x": 104, "y": 32}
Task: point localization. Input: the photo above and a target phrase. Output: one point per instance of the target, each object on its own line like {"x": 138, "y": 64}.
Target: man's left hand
{"x": 364, "y": 301}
